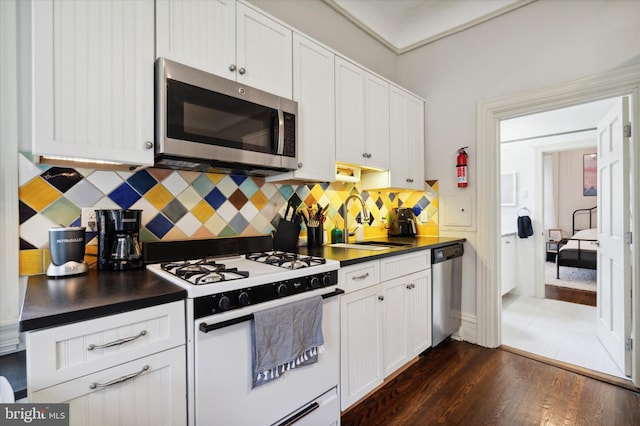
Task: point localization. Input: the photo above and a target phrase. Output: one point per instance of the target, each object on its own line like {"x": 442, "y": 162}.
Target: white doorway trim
{"x": 620, "y": 82}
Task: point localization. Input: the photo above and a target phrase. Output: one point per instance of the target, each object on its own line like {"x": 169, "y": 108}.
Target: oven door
{"x": 223, "y": 373}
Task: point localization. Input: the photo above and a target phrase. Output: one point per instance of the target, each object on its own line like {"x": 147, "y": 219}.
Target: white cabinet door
{"x": 93, "y": 79}
{"x": 361, "y": 341}
{"x": 148, "y": 391}
{"x": 407, "y": 129}
{"x": 395, "y": 320}
{"x": 263, "y": 52}
{"x": 198, "y": 33}
{"x": 350, "y": 113}
{"x": 362, "y": 116}
{"x": 377, "y": 122}
{"x": 406, "y": 319}
{"x": 314, "y": 90}
{"x": 507, "y": 263}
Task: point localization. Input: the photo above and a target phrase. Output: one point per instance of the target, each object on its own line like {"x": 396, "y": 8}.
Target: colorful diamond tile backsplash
{"x": 182, "y": 204}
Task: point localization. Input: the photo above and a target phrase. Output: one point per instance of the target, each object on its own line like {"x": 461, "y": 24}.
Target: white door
{"x": 614, "y": 299}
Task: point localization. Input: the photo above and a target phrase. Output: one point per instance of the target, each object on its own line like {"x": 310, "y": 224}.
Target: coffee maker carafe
{"x": 118, "y": 243}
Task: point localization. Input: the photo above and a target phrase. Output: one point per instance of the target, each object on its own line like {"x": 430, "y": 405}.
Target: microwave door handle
{"x": 280, "y": 150}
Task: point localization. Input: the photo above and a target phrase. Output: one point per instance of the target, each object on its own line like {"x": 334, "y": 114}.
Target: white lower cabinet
{"x": 385, "y": 320}
{"x": 406, "y": 319}
{"x": 126, "y": 369}
{"x": 148, "y": 391}
{"x": 361, "y": 343}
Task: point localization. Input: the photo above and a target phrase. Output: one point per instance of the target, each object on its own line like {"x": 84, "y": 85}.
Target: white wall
{"x": 570, "y": 196}
{"x": 320, "y": 22}
{"x": 540, "y": 45}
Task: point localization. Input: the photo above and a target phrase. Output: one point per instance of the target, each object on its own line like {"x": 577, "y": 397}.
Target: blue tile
{"x": 238, "y": 223}
{"x": 159, "y": 226}
{"x": 423, "y": 202}
{"x": 215, "y": 198}
{"x": 324, "y": 185}
{"x": 379, "y": 203}
{"x": 238, "y": 179}
{"x": 26, "y": 245}
{"x": 124, "y": 196}
{"x": 142, "y": 182}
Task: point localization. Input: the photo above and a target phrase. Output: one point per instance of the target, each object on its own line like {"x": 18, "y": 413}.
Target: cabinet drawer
{"x": 404, "y": 264}
{"x": 147, "y": 391}
{"x": 63, "y": 353}
{"x": 361, "y": 275}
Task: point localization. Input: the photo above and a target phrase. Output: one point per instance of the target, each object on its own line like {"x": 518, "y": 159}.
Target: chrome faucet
{"x": 345, "y": 209}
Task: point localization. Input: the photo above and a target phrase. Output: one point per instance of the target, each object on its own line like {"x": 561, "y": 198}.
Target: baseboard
{"x": 468, "y": 331}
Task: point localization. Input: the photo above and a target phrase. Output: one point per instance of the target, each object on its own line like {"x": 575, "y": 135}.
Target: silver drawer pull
{"x": 95, "y": 385}
{"x": 360, "y": 277}
{"x": 116, "y": 342}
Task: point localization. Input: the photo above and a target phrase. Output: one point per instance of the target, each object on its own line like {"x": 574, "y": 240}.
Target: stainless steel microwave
{"x": 209, "y": 123}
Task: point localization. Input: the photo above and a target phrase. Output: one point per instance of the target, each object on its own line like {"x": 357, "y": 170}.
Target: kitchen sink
{"x": 369, "y": 245}
{"x": 383, "y": 243}
{"x": 359, "y": 246}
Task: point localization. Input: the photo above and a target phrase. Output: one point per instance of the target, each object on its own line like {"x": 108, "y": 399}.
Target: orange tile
{"x": 259, "y": 200}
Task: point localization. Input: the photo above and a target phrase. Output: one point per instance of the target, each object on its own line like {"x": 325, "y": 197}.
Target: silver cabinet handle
{"x": 368, "y": 155}
{"x": 242, "y": 70}
{"x": 96, "y": 385}
{"x": 408, "y": 286}
{"x": 507, "y": 242}
{"x": 360, "y": 277}
{"x": 116, "y": 342}
{"x": 232, "y": 67}
{"x": 364, "y": 155}
{"x": 381, "y": 298}
{"x": 148, "y": 145}
{"x": 413, "y": 285}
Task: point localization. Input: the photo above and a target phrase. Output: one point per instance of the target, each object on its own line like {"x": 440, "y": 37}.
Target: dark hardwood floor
{"x": 460, "y": 383}
{"x": 584, "y": 297}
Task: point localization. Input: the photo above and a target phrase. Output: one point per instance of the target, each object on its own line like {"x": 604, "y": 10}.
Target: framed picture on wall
{"x": 590, "y": 175}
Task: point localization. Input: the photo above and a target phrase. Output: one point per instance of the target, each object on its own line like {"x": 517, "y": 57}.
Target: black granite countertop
{"x": 348, "y": 256}
{"x": 50, "y": 302}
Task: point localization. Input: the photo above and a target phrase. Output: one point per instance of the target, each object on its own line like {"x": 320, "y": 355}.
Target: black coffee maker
{"x": 118, "y": 243}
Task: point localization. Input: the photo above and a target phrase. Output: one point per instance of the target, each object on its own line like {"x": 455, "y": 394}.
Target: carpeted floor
{"x": 578, "y": 278}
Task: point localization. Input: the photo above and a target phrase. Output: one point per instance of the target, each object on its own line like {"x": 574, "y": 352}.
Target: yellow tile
{"x": 38, "y": 194}
{"x": 215, "y": 177}
{"x": 159, "y": 196}
{"x": 202, "y": 211}
{"x": 259, "y": 200}
{"x": 31, "y": 262}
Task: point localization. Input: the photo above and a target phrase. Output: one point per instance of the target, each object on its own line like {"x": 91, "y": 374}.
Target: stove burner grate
{"x": 286, "y": 260}
{"x": 204, "y": 271}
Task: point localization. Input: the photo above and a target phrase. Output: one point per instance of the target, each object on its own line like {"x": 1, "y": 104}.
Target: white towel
{"x": 286, "y": 337}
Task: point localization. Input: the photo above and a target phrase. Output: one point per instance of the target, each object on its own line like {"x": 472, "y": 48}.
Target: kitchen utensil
{"x": 286, "y": 238}
{"x": 67, "y": 246}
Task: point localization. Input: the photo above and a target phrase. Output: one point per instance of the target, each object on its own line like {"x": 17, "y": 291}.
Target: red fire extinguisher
{"x": 461, "y": 165}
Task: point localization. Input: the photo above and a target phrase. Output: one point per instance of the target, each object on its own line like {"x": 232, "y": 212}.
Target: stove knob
{"x": 282, "y": 289}
{"x": 315, "y": 282}
{"x": 243, "y": 298}
{"x": 326, "y": 279}
{"x": 224, "y": 303}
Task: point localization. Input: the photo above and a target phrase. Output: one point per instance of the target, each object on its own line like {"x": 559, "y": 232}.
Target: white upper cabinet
{"x": 362, "y": 116}
{"x": 407, "y": 128}
{"x": 229, "y": 39}
{"x": 313, "y": 89}
{"x": 406, "y": 164}
{"x": 93, "y": 80}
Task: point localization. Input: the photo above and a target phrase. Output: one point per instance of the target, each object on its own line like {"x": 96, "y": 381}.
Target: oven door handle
{"x": 205, "y": 328}
{"x": 299, "y": 415}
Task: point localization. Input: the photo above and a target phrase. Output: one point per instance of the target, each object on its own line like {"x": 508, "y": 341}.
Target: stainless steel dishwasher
{"x": 446, "y": 300}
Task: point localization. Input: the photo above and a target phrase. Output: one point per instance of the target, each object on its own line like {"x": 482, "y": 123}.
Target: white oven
{"x": 223, "y": 374}
{"x": 223, "y": 293}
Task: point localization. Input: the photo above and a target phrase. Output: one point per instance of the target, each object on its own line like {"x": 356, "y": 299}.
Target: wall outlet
{"x": 88, "y": 219}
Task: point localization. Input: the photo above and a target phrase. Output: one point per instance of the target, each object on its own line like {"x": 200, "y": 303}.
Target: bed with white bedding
{"x": 581, "y": 250}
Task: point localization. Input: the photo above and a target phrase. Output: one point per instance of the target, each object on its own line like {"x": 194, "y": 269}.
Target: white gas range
{"x": 223, "y": 293}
